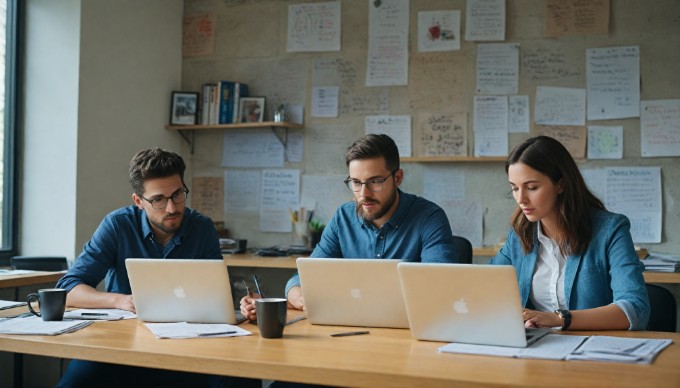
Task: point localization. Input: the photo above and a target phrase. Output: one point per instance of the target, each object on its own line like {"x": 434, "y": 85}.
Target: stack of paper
{"x": 572, "y": 347}
{"x": 659, "y": 262}
{"x": 35, "y": 325}
{"x": 8, "y": 304}
{"x": 195, "y": 330}
{"x": 616, "y": 349}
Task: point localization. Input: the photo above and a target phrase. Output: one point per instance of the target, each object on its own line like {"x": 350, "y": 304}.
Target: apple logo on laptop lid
{"x": 460, "y": 306}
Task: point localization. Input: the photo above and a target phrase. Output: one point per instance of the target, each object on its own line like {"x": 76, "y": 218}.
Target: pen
{"x": 257, "y": 286}
{"x": 350, "y": 333}
{"x": 94, "y": 314}
{"x": 298, "y": 319}
{"x": 217, "y": 333}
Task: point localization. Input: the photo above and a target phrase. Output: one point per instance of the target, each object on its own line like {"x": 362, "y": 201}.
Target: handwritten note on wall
{"x": 485, "y": 20}
{"x": 280, "y": 193}
{"x": 314, "y": 27}
{"x": 572, "y": 138}
{"x": 440, "y": 135}
{"x": 518, "y": 114}
{"x": 242, "y": 191}
{"x": 491, "y": 125}
{"x": 560, "y": 106}
{"x": 207, "y": 197}
{"x": 605, "y": 142}
{"x": 636, "y": 192}
{"x": 388, "y": 25}
{"x": 576, "y": 17}
{"x": 660, "y": 128}
{"x": 497, "y": 68}
{"x": 252, "y": 149}
{"x": 613, "y": 82}
{"x": 198, "y": 35}
{"x": 396, "y": 127}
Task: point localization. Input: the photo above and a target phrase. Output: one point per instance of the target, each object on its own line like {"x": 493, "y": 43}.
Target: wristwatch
{"x": 565, "y": 315}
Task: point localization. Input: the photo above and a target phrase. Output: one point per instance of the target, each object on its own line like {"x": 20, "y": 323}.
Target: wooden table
{"x": 288, "y": 262}
{"x": 386, "y": 357}
{"x": 37, "y": 277}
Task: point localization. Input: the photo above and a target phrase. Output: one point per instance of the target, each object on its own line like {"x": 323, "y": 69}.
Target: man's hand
{"x": 248, "y": 306}
{"x": 295, "y": 299}
{"x": 86, "y": 297}
{"x": 125, "y": 302}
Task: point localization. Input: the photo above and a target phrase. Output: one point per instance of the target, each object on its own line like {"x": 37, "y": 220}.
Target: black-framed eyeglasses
{"x": 375, "y": 184}
{"x": 160, "y": 201}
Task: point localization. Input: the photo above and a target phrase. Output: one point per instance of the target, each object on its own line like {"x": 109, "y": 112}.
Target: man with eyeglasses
{"x": 158, "y": 225}
{"x": 382, "y": 222}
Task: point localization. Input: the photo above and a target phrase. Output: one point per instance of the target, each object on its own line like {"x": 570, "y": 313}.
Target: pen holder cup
{"x": 300, "y": 235}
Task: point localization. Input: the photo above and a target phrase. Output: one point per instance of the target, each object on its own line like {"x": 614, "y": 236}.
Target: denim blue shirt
{"x": 125, "y": 233}
{"x": 608, "y": 271}
{"x": 418, "y": 231}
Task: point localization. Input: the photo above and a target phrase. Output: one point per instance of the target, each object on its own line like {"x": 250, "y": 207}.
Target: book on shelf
{"x": 220, "y": 102}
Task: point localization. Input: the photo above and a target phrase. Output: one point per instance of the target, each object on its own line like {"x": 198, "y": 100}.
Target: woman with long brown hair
{"x": 575, "y": 261}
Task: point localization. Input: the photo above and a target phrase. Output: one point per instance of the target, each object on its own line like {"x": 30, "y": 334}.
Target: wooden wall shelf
{"x": 188, "y": 131}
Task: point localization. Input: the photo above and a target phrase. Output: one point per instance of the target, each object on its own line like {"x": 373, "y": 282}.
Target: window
{"x": 9, "y": 34}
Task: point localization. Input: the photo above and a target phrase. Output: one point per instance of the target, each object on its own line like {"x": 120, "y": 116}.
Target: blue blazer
{"x": 608, "y": 271}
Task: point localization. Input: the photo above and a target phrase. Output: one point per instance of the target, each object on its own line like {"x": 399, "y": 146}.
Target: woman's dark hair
{"x": 154, "y": 163}
{"x": 549, "y": 157}
{"x": 374, "y": 146}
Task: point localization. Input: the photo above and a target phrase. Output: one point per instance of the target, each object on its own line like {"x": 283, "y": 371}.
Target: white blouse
{"x": 547, "y": 286}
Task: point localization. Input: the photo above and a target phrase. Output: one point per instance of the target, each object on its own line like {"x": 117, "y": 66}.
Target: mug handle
{"x": 28, "y": 301}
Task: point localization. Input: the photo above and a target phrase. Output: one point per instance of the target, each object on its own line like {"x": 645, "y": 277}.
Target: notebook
{"x": 181, "y": 290}
{"x": 352, "y": 292}
{"x": 476, "y": 304}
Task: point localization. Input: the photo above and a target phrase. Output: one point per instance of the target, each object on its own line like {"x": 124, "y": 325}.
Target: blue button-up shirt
{"x": 418, "y": 231}
{"x": 125, "y": 233}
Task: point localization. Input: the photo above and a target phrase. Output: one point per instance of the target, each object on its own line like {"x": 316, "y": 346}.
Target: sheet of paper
{"x": 242, "y": 191}
{"x": 660, "y": 128}
{"x": 613, "y": 82}
{"x": 466, "y": 219}
{"x": 497, "y": 68}
{"x": 388, "y": 27}
{"x": 518, "y": 114}
{"x": 178, "y": 330}
{"x": 99, "y": 314}
{"x": 439, "y": 30}
{"x": 491, "y": 125}
{"x": 572, "y": 138}
{"x": 35, "y": 325}
{"x": 325, "y": 101}
{"x": 314, "y": 27}
{"x": 440, "y": 134}
{"x": 550, "y": 347}
{"x": 280, "y": 192}
{"x": 396, "y": 127}
{"x": 485, "y": 20}
{"x": 296, "y": 113}
{"x": 295, "y": 147}
{"x": 328, "y": 192}
{"x": 605, "y": 142}
{"x": 15, "y": 271}
{"x": 576, "y": 17}
{"x": 8, "y": 304}
{"x": 441, "y": 183}
{"x": 636, "y": 192}
{"x": 198, "y": 35}
{"x": 560, "y": 106}
{"x": 207, "y": 197}
{"x": 596, "y": 180}
{"x": 616, "y": 349}
{"x": 255, "y": 148}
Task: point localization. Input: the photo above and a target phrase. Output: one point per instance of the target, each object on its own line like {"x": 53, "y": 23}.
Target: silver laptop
{"x": 181, "y": 290}
{"x": 477, "y": 304}
{"x": 352, "y": 292}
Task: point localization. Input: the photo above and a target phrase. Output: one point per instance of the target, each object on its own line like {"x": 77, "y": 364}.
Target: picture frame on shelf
{"x": 184, "y": 108}
{"x": 251, "y": 109}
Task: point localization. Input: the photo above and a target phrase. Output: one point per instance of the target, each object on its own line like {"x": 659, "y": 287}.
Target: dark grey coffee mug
{"x": 271, "y": 316}
{"x": 51, "y": 302}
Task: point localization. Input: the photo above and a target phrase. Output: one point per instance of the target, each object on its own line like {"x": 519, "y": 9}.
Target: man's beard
{"x": 383, "y": 210}
{"x": 163, "y": 228}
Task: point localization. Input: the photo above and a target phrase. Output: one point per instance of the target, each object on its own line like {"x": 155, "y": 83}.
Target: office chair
{"x": 663, "y": 316}
{"x": 464, "y": 249}
{"x": 39, "y": 263}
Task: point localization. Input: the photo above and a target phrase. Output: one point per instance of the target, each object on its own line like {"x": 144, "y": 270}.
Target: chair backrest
{"x": 39, "y": 263}
{"x": 663, "y": 316}
{"x": 464, "y": 249}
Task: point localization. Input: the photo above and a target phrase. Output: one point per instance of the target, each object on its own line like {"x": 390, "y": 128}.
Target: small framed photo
{"x": 184, "y": 108}
{"x": 251, "y": 109}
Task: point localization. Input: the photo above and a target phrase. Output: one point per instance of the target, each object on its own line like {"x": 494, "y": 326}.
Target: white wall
{"x": 98, "y": 82}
